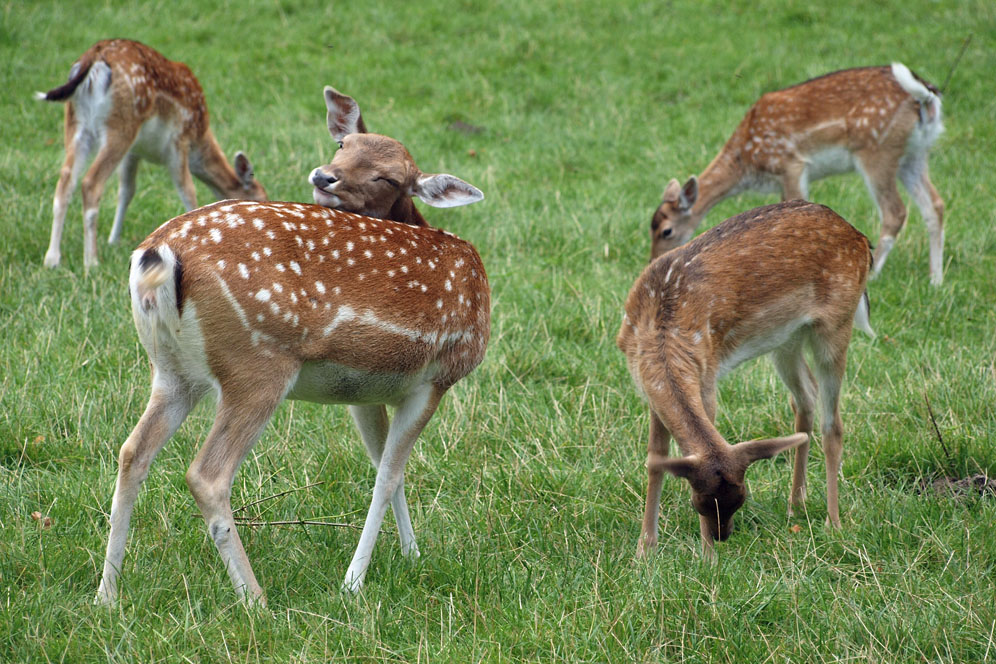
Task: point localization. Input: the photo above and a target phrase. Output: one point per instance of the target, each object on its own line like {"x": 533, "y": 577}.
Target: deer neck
{"x": 209, "y": 165}
{"x": 405, "y": 212}
{"x": 722, "y": 178}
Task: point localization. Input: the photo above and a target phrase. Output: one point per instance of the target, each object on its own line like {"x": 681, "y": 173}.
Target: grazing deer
{"x": 878, "y": 120}
{"x": 772, "y": 280}
{"x": 127, "y": 102}
{"x": 261, "y": 302}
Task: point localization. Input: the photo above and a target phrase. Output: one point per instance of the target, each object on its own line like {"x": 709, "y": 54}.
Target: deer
{"x": 880, "y": 121}
{"x": 774, "y": 280}
{"x": 258, "y": 302}
{"x": 127, "y": 102}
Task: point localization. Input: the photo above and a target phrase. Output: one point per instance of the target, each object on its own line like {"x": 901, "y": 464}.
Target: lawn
{"x": 526, "y": 489}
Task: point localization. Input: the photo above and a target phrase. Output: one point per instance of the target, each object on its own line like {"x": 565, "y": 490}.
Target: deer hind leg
{"x": 879, "y": 171}
{"x": 168, "y": 406}
{"x": 373, "y": 424}
{"x": 116, "y": 146}
{"x": 79, "y": 145}
{"x": 916, "y": 179}
{"x": 829, "y": 364}
{"x": 658, "y": 446}
{"x": 242, "y": 415}
{"x": 411, "y": 416}
{"x": 792, "y": 368}
{"x": 126, "y": 191}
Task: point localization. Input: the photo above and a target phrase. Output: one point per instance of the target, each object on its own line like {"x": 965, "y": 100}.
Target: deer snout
{"x": 321, "y": 179}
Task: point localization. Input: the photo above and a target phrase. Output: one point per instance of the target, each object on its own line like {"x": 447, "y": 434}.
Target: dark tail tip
{"x": 66, "y": 90}
{"x": 150, "y": 258}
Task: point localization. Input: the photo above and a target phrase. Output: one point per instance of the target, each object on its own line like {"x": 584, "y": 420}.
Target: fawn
{"x": 261, "y": 302}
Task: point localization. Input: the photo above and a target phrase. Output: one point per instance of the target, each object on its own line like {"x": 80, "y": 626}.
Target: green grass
{"x": 526, "y": 488}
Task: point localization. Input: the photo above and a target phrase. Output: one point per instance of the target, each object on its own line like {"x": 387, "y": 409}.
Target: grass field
{"x": 526, "y": 488}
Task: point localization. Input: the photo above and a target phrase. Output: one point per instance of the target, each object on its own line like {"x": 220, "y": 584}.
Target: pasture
{"x": 526, "y": 488}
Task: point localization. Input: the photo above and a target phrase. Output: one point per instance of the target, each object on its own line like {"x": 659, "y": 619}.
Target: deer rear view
{"x": 777, "y": 279}
{"x": 880, "y": 121}
{"x": 261, "y": 302}
{"x": 126, "y": 102}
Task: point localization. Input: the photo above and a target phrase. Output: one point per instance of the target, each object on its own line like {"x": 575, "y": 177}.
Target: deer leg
{"x": 169, "y": 405}
{"x": 922, "y": 191}
{"x": 78, "y": 149}
{"x": 126, "y": 191}
{"x": 658, "y": 446}
{"x": 243, "y": 412}
{"x": 411, "y": 416}
{"x": 116, "y": 146}
{"x": 830, "y": 360}
{"x": 879, "y": 171}
{"x": 373, "y": 424}
{"x": 794, "y": 184}
{"x": 179, "y": 169}
{"x": 791, "y": 367}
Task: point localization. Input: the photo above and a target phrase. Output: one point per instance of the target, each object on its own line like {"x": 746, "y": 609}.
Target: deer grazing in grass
{"x": 881, "y": 121}
{"x": 127, "y": 102}
{"x": 776, "y": 280}
{"x": 261, "y": 302}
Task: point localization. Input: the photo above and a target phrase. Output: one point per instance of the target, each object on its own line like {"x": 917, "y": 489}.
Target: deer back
{"x": 739, "y": 289}
{"x": 314, "y": 284}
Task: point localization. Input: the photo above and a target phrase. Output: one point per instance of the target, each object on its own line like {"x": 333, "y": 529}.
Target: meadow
{"x": 526, "y": 489}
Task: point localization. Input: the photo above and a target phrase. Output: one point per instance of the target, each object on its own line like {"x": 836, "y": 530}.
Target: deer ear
{"x": 671, "y": 192}
{"x": 445, "y": 191}
{"x": 243, "y": 168}
{"x": 343, "y": 114}
{"x": 752, "y": 450}
{"x": 685, "y": 466}
{"x": 689, "y": 193}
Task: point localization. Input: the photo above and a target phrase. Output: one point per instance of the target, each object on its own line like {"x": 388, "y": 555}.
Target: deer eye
{"x": 391, "y": 182}
{"x": 340, "y": 144}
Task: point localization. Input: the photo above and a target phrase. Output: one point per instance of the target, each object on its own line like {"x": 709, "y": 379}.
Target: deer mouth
{"x": 326, "y": 199}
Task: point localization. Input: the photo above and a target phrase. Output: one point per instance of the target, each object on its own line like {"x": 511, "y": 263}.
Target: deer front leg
{"x": 169, "y": 405}
{"x": 410, "y": 418}
{"x": 790, "y": 363}
{"x": 126, "y": 191}
{"x": 179, "y": 168}
{"x": 657, "y": 446}
{"x": 829, "y": 363}
{"x": 373, "y": 424}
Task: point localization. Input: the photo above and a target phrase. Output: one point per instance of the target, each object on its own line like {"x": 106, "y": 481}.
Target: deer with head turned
{"x": 260, "y": 302}
{"x": 880, "y": 121}
{"x": 777, "y": 279}
{"x": 127, "y": 102}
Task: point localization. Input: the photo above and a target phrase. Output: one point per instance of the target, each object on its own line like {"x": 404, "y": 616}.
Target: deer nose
{"x": 321, "y": 179}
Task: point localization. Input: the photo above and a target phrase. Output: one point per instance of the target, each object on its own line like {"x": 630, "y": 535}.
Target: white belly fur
{"x": 329, "y": 382}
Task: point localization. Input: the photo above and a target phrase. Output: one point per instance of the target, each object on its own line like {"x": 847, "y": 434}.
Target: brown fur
{"x": 864, "y": 111}
{"x": 143, "y": 86}
{"x": 286, "y": 300}
{"x": 720, "y": 300}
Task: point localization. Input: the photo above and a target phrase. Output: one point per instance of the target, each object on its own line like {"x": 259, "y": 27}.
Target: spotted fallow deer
{"x": 127, "y": 102}
{"x": 261, "y": 302}
{"x": 880, "y": 121}
{"x": 773, "y": 280}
